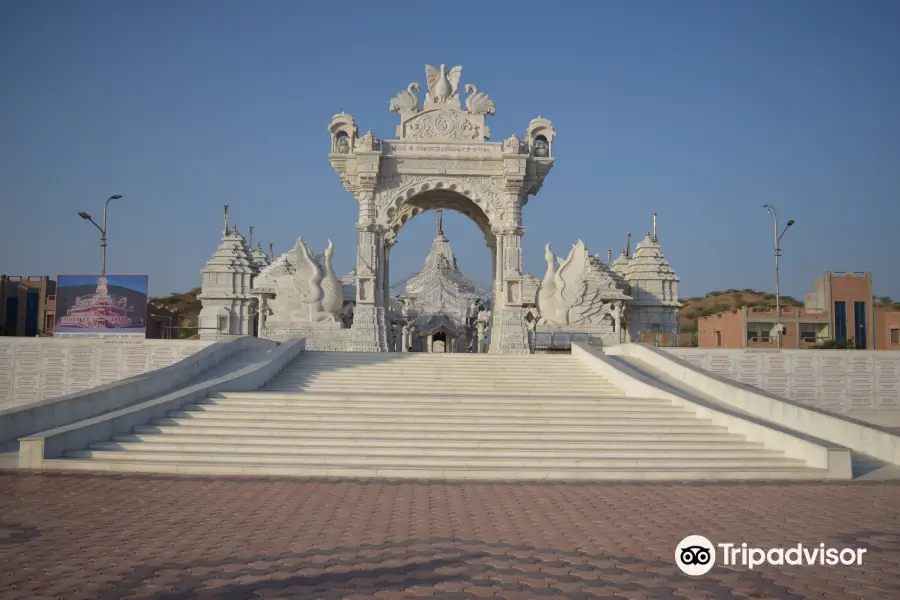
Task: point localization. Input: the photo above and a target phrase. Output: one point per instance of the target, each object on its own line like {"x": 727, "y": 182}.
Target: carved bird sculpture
{"x": 307, "y": 277}
{"x": 332, "y": 290}
{"x": 478, "y": 103}
{"x": 442, "y": 84}
{"x": 563, "y": 289}
{"x": 406, "y": 101}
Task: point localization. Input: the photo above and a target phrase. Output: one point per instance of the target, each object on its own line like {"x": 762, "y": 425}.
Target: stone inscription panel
{"x": 804, "y": 379}
{"x": 27, "y": 367}
{"x": 887, "y": 383}
{"x": 54, "y": 366}
{"x": 838, "y": 381}
{"x": 82, "y": 367}
{"x": 32, "y": 370}
{"x": 6, "y": 372}
{"x": 479, "y": 150}
{"x": 776, "y": 367}
{"x": 860, "y": 381}
{"x": 750, "y": 369}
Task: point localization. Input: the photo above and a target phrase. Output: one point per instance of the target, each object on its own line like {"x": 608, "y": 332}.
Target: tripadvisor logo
{"x": 696, "y": 555}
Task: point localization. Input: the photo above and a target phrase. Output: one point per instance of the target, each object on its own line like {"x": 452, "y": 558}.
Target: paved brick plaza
{"x": 100, "y": 536}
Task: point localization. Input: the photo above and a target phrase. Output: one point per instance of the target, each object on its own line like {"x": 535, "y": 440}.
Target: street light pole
{"x": 771, "y": 210}
{"x": 87, "y": 217}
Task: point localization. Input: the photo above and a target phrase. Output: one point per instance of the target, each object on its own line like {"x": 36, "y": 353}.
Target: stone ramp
{"x": 454, "y": 416}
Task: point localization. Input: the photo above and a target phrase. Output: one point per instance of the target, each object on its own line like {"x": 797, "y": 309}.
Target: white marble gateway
{"x": 441, "y": 159}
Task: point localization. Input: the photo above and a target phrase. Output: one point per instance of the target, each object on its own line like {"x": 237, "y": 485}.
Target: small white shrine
{"x": 228, "y": 307}
{"x": 654, "y": 287}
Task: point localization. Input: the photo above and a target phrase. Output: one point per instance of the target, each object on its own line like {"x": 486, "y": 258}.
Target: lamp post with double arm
{"x": 87, "y": 217}
{"x": 771, "y": 210}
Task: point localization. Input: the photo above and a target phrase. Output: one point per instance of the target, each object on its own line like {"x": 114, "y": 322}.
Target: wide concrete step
{"x": 388, "y": 357}
{"x": 428, "y": 388}
{"x": 121, "y": 462}
{"x": 441, "y": 367}
{"x": 635, "y": 435}
{"x": 276, "y": 427}
{"x": 425, "y": 449}
{"x": 388, "y": 411}
{"x": 496, "y": 403}
{"x": 622, "y": 418}
{"x": 395, "y": 383}
{"x": 375, "y": 383}
{"x": 444, "y": 371}
{"x": 499, "y": 461}
{"x": 406, "y": 441}
{"x": 532, "y": 376}
{"x": 468, "y": 396}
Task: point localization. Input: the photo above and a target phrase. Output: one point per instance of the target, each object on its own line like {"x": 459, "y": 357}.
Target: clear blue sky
{"x": 700, "y": 111}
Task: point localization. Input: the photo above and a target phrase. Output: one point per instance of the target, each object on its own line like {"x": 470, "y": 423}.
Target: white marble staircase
{"x": 437, "y": 416}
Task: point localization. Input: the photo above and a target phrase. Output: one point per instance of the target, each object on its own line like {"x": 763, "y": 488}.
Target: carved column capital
{"x": 371, "y": 228}
{"x": 507, "y": 230}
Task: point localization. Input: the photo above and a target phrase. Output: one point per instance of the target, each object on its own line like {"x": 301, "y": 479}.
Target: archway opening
{"x": 442, "y": 297}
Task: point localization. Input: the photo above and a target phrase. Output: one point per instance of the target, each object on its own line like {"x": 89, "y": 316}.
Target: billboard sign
{"x": 101, "y": 306}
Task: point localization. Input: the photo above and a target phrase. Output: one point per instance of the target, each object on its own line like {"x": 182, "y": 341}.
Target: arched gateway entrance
{"x": 440, "y": 159}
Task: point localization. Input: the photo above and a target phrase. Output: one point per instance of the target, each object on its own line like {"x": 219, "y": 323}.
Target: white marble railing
{"x": 843, "y": 381}
{"x": 34, "y": 369}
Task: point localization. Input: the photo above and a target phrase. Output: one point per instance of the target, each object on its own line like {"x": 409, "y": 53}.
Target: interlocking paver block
{"x": 84, "y": 535}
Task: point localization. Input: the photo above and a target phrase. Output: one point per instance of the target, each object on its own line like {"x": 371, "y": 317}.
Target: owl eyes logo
{"x": 695, "y": 555}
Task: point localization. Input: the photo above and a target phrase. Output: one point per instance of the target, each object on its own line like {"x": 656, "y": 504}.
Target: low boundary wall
{"x": 35, "y": 369}
{"x": 18, "y": 421}
{"x": 850, "y": 382}
{"x": 838, "y": 429}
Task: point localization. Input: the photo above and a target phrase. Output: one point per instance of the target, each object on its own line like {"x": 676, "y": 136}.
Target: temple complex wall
{"x": 36, "y": 369}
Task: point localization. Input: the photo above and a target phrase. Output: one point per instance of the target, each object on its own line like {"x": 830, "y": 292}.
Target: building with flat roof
{"x": 27, "y": 305}
{"x": 839, "y": 308}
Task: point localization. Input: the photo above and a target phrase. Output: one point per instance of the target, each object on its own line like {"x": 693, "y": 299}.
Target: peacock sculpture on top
{"x": 563, "y": 298}
{"x": 305, "y": 287}
{"x": 443, "y": 86}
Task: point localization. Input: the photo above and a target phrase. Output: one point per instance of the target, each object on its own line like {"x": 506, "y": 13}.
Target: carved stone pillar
{"x": 492, "y": 246}
{"x": 509, "y": 334}
{"x": 386, "y": 277}
{"x": 261, "y": 316}
{"x": 369, "y": 330}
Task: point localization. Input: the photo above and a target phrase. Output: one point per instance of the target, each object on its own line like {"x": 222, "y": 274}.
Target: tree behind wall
{"x": 848, "y": 344}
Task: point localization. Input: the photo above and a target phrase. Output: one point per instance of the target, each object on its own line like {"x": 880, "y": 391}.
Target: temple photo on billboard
{"x": 101, "y": 306}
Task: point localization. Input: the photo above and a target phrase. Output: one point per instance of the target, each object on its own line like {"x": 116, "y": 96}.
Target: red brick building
{"x": 840, "y": 307}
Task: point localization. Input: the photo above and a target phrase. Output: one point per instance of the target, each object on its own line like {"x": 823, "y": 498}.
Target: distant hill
{"x": 716, "y": 302}
{"x": 186, "y": 304}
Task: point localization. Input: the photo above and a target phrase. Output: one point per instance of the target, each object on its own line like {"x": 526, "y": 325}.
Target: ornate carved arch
{"x": 445, "y": 200}
{"x": 411, "y": 195}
